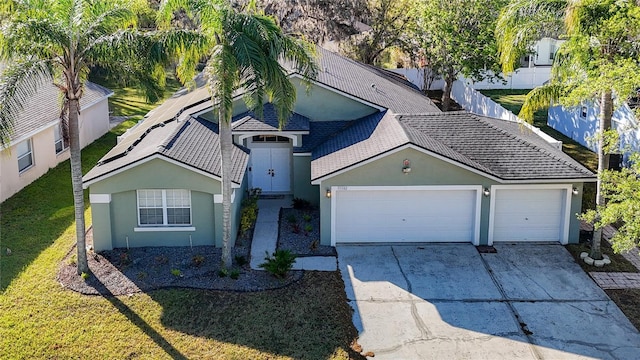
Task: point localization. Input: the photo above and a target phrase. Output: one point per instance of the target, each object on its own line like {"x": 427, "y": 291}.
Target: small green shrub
{"x": 176, "y": 272}
{"x": 249, "y": 213}
{"x": 141, "y": 275}
{"x": 308, "y": 228}
{"x": 197, "y": 260}
{"x": 306, "y": 217}
{"x": 235, "y": 274}
{"x": 73, "y": 260}
{"x": 223, "y": 272}
{"x": 162, "y": 259}
{"x": 301, "y": 204}
{"x": 125, "y": 259}
{"x": 291, "y": 219}
{"x": 85, "y": 276}
{"x": 279, "y": 263}
{"x": 240, "y": 260}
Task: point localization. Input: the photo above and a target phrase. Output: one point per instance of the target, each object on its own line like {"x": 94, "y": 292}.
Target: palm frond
{"x": 540, "y": 98}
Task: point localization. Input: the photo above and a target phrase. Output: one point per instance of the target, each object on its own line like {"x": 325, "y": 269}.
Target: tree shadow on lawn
{"x": 310, "y": 319}
{"x": 34, "y": 218}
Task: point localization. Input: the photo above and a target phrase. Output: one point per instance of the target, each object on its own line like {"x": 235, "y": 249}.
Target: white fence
{"x": 523, "y": 78}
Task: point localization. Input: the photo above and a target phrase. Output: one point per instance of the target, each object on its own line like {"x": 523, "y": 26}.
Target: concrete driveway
{"x": 446, "y": 301}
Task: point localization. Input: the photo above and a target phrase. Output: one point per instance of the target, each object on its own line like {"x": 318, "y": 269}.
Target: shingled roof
{"x": 43, "y": 107}
{"x": 248, "y": 121}
{"x": 499, "y": 148}
{"x": 193, "y": 142}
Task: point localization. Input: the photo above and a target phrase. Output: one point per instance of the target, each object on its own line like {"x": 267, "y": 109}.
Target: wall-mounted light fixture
{"x": 575, "y": 191}
{"x": 328, "y": 193}
{"x": 406, "y": 166}
{"x": 486, "y": 192}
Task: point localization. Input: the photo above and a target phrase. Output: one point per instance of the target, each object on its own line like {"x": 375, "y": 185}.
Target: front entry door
{"x": 270, "y": 169}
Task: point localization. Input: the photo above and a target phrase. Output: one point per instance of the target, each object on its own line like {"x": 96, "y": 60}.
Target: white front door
{"x": 270, "y": 169}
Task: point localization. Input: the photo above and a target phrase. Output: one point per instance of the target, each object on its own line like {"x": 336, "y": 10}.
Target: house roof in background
{"x": 193, "y": 142}
{"x": 44, "y": 107}
{"x": 498, "y": 148}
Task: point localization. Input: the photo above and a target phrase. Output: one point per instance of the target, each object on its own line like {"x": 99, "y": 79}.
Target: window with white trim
{"x": 170, "y": 207}
{"x": 59, "y": 142}
{"x": 25, "y": 155}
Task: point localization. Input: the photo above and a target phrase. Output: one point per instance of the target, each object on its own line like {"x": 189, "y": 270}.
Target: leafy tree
{"x": 456, "y": 37}
{"x": 599, "y": 59}
{"x": 58, "y": 41}
{"x": 243, "y": 51}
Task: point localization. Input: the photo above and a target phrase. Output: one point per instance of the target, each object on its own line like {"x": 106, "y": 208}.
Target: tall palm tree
{"x": 598, "y": 59}
{"x": 58, "y": 41}
{"x": 245, "y": 52}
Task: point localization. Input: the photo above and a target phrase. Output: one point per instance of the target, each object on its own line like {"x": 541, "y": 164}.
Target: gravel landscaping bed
{"x": 299, "y": 232}
{"x": 122, "y": 271}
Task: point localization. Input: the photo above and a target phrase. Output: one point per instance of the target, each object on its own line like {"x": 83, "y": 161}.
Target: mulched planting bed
{"x": 299, "y": 232}
{"x": 122, "y": 271}
{"x": 618, "y": 262}
{"x": 627, "y": 300}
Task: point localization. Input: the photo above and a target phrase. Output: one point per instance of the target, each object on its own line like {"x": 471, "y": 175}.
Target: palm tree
{"x": 245, "y": 52}
{"x": 598, "y": 59}
{"x": 58, "y": 41}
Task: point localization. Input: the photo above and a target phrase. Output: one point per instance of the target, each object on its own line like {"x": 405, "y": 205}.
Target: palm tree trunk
{"x": 446, "y": 92}
{"x": 226, "y": 148}
{"x": 606, "y": 112}
{"x": 76, "y": 182}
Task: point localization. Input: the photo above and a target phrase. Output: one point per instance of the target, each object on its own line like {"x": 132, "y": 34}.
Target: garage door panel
{"x": 529, "y": 214}
{"x": 405, "y": 215}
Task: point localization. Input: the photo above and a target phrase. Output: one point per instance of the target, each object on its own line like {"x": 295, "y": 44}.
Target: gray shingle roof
{"x": 319, "y": 132}
{"x": 248, "y": 121}
{"x": 44, "y": 107}
{"x": 496, "y": 147}
{"x": 389, "y": 91}
{"x": 194, "y": 142}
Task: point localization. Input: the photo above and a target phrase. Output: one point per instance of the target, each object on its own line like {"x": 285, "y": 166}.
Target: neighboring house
{"x": 37, "y": 143}
{"x": 581, "y": 123}
{"x": 379, "y": 159}
{"x": 542, "y": 53}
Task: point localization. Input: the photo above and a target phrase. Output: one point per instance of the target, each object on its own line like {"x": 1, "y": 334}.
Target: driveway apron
{"x": 438, "y": 301}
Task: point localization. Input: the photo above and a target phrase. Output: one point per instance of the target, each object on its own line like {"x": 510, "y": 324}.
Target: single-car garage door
{"x": 396, "y": 214}
{"x": 529, "y": 214}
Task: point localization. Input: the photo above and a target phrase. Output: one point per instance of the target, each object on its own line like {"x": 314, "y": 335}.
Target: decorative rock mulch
{"x": 123, "y": 272}
{"x": 299, "y": 232}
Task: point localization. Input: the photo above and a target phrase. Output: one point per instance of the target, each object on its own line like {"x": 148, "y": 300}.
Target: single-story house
{"x": 379, "y": 159}
{"x": 37, "y": 143}
{"x": 581, "y": 123}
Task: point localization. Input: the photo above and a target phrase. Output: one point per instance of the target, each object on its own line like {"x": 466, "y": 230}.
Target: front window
{"x": 25, "y": 155}
{"x": 60, "y": 143}
{"x": 164, "y": 207}
{"x": 270, "y": 138}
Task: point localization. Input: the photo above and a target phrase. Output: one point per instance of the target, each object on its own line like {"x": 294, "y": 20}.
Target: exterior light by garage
{"x": 486, "y": 192}
{"x": 406, "y": 166}
{"x": 328, "y": 193}
{"x": 574, "y": 191}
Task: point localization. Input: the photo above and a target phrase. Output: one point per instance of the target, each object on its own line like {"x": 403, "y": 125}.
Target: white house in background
{"x": 581, "y": 124}
{"x": 543, "y": 53}
{"x": 37, "y": 144}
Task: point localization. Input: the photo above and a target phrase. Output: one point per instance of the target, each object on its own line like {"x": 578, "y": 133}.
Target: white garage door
{"x": 397, "y": 215}
{"x": 529, "y": 215}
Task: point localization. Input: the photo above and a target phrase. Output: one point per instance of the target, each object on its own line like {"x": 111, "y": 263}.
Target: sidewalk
{"x": 265, "y": 239}
{"x": 618, "y": 280}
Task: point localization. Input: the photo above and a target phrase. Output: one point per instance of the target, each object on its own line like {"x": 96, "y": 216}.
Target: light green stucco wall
{"x": 425, "y": 170}
{"x": 115, "y": 221}
{"x": 302, "y": 187}
{"x": 325, "y": 105}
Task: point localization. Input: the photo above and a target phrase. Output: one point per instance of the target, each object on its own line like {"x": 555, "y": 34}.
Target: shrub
{"x": 306, "y": 217}
{"x": 176, "y": 272}
{"x": 162, "y": 259}
{"x": 240, "y": 260}
{"x": 125, "y": 259}
{"x": 291, "y": 219}
{"x": 73, "y": 260}
{"x": 85, "y": 276}
{"x": 223, "y": 272}
{"x": 308, "y": 228}
{"x": 249, "y": 213}
{"x": 197, "y": 260}
{"x": 279, "y": 263}
{"x": 301, "y": 204}
{"x": 295, "y": 228}
{"x": 235, "y": 274}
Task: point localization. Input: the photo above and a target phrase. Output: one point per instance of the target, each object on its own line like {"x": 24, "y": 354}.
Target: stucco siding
{"x": 302, "y": 187}
{"x": 425, "y": 170}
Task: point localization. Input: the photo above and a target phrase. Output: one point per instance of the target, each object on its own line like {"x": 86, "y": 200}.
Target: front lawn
{"x": 41, "y": 320}
{"x": 512, "y": 100}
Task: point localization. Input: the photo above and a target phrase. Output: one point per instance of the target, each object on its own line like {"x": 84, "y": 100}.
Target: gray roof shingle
{"x": 319, "y": 132}
{"x": 248, "y": 121}
{"x": 194, "y": 142}
{"x": 44, "y": 107}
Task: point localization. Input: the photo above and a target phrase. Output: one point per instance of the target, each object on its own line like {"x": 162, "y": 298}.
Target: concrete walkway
{"x": 618, "y": 280}
{"x": 265, "y": 239}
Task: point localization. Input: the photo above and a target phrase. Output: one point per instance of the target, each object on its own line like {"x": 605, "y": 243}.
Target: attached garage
{"x": 387, "y": 214}
{"x": 530, "y": 213}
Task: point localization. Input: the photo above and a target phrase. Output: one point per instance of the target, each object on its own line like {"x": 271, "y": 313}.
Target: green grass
{"x": 512, "y": 100}
{"x": 39, "y": 319}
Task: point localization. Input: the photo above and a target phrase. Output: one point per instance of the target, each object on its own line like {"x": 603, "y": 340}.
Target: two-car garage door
{"x": 406, "y": 214}
{"x": 386, "y": 214}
